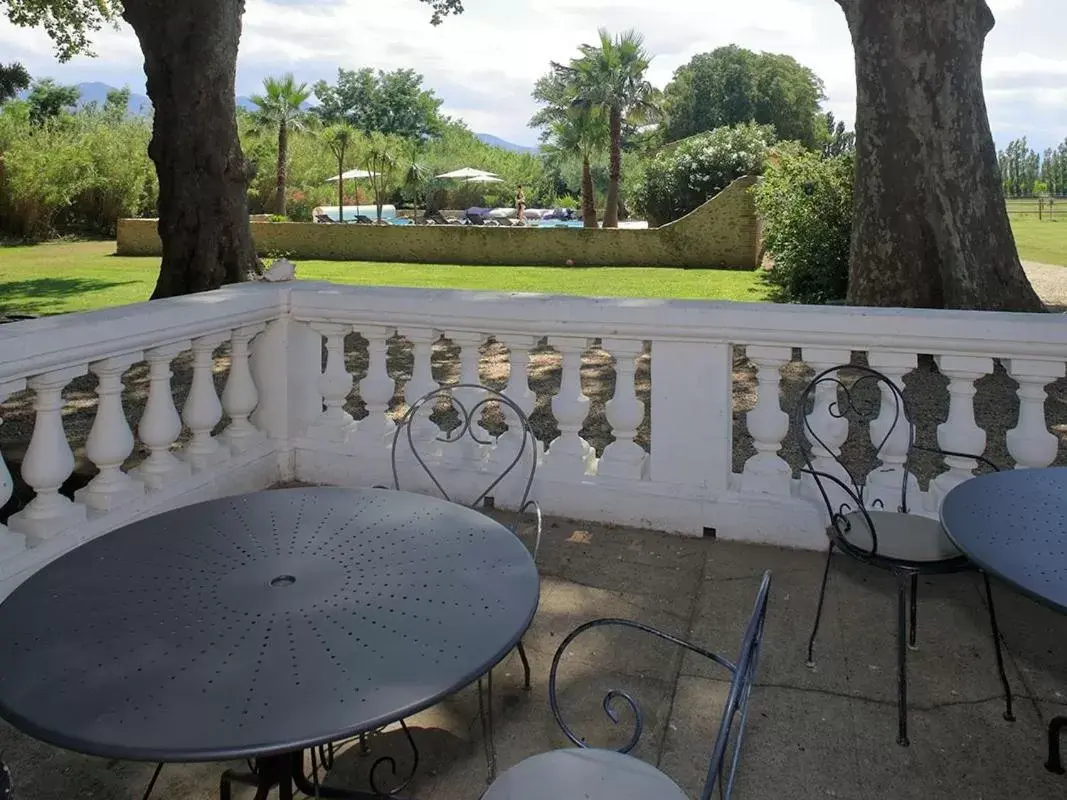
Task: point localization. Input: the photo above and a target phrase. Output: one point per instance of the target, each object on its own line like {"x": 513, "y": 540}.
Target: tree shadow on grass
{"x": 38, "y": 296}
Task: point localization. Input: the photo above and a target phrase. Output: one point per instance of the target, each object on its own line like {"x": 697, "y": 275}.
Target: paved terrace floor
{"x": 827, "y": 733}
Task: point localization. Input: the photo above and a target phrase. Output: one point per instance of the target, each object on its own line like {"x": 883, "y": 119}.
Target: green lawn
{"x": 1043, "y": 241}
{"x": 54, "y": 278}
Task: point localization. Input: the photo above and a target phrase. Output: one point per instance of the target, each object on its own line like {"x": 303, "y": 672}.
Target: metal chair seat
{"x": 908, "y": 538}
{"x": 587, "y": 773}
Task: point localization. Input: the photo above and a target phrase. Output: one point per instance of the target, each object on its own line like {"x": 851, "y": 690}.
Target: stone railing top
{"x": 908, "y": 330}
{"x": 40, "y": 345}
{"x": 36, "y": 346}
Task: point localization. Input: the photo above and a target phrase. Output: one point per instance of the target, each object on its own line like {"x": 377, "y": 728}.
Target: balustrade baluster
{"x": 508, "y": 443}
{"x": 240, "y": 396}
{"x": 374, "y": 433}
{"x": 885, "y": 484}
{"x": 334, "y": 424}
{"x": 469, "y": 452}
{"x": 160, "y": 425}
{"x": 827, "y": 427}
{"x": 422, "y": 382}
{"x": 110, "y": 440}
{"x": 11, "y": 543}
{"x": 960, "y": 432}
{"x": 49, "y": 461}
{"x": 1030, "y": 442}
{"x": 202, "y": 410}
{"x": 623, "y": 458}
{"x": 569, "y": 456}
{"x": 766, "y": 472}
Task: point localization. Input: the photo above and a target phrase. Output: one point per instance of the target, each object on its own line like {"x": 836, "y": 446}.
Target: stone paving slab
{"x": 822, "y": 733}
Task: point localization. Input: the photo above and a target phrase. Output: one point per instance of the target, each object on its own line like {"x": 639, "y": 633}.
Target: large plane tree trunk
{"x": 190, "y": 52}
{"x": 930, "y": 228}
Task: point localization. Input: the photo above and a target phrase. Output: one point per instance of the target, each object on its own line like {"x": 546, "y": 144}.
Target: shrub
{"x": 687, "y": 173}
{"x": 806, "y": 206}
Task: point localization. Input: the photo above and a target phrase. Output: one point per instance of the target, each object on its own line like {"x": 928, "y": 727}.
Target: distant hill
{"x": 96, "y": 92}
{"x": 496, "y": 141}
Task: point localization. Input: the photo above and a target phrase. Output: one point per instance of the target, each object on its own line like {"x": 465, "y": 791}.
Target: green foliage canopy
{"x": 13, "y": 79}
{"x": 393, "y": 103}
{"x": 684, "y": 175}
{"x": 48, "y": 100}
{"x": 805, "y": 203}
{"x": 732, "y": 85}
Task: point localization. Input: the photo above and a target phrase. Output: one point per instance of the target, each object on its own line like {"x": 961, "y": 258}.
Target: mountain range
{"x": 96, "y": 92}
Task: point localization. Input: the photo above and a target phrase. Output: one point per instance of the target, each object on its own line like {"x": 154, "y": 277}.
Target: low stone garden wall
{"x": 723, "y": 232}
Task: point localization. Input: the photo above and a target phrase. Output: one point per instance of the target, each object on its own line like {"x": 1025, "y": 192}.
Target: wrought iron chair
{"x": 523, "y": 443}
{"x": 906, "y": 544}
{"x": 599, "y": 774}
{"x": 466, "y": 432}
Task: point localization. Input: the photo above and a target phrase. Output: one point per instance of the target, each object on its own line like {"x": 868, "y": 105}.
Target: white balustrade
{"x": 160, "y": 425}
{"x": 374, "y": 433}
{"x": 48, "y": 462}
{"x": 890, "y": 433}
{"x": 1030, "y": 442}
{"x": 569, "y": 456}
{"x": 110, "y": 441}
{"x": 960, "y": 432}
{"x": 766, "y": 472}
{"x": 623, "y": 458}
{"x": 334, "y": 424}
{"x": 11, "y": 543}
{"x": 240, "y": 396}
{"x": 202, "y": 410}
{"x": 827, "y": 427}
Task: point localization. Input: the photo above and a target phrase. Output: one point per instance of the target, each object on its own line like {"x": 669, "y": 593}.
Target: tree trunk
{"x": 588, "y": 195}
{"x": 190, "y": 51}
{"x": 283, "y": 165}
{"x": 611, "y": 202}
{"x": 930, "y": 227}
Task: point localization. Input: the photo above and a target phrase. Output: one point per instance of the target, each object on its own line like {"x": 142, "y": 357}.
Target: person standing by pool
{"x": 520, "y": 204}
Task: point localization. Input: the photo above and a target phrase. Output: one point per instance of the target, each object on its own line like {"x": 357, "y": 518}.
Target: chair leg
{"x": 914, "y": 611}
{"x": 152, "y": 783}
{"x": 818, "y": 608}
{"x": 997, "y": 649}
{"x": 485, "y": 711}
{"x": 1054, "y": 764}
{"x": 525, "y": 666}
{"x": 902, "y": 660}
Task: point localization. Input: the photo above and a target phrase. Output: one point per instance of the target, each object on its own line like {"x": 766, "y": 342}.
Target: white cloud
{"x": 484, "y": 62}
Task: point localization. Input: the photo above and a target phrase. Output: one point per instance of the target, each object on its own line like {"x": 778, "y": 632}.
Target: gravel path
{"x": 1050, "y": 283}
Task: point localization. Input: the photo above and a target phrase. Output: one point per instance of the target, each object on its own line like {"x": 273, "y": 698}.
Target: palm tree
{"x": 611, "y": 76}
{"x": 381, "y": 161}
{"x": 339, "y": 138}
{"x": 582, "y": 132}
{"x": 416, "y": 175}
{"x": 279, "y": 108}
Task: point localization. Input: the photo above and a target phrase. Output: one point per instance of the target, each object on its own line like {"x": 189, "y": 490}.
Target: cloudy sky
{"x": 484, "y": 62}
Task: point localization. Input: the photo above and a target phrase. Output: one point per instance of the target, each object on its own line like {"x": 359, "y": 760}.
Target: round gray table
{"x": 1013, "y": 524}
{"x": 260, "y": 625}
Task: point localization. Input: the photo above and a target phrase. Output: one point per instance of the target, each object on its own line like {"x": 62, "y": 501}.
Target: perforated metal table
{"x": 1014, "y": 524}
{"x": 259, "y": 625}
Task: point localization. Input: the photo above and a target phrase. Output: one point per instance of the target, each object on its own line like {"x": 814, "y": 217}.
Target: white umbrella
{"x": 484, "y": 179}
{"x": 467, "y": 173}
{"x": 352, "y": 174}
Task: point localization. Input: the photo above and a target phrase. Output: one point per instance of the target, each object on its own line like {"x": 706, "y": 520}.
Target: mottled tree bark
{"x": 611, "y": 200}
{"x": 190, "y": 51}
{"x": 930, "y": 228}
{"x": 588, "y": 195}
